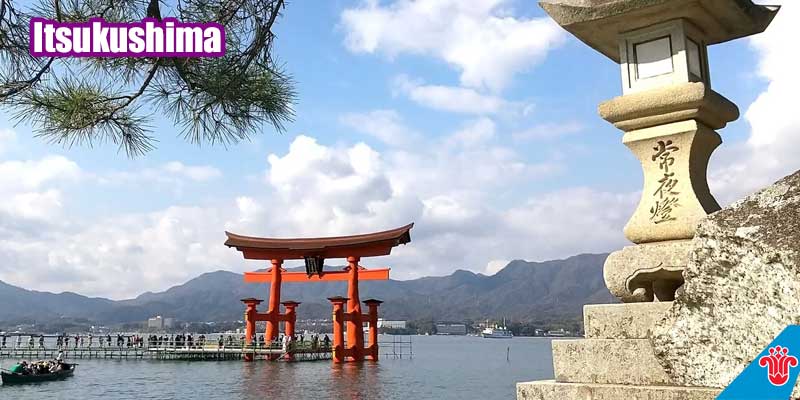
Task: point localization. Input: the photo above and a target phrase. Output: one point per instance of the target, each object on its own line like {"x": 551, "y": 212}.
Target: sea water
{"x": 442, "y": 368}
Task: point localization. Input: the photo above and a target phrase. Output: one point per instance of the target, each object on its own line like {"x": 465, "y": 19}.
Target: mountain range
{"x": 521, "y": 291}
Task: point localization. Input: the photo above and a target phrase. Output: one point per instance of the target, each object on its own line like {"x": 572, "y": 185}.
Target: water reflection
{"x": 357, "y": 381}
{"x": 443, "y": 368}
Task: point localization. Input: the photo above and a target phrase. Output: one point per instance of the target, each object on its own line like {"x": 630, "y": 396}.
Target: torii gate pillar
{"x": 346, "y": 310}
{"x": 355, "y": 327}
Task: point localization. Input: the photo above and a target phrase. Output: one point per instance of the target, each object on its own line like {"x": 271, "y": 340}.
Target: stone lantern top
{"x": 599, "y": 23}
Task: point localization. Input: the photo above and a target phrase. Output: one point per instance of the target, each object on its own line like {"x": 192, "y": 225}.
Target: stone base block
{"x": 550, "y": 390}
{"x": 647, "y": 272}
{"x": 622, "y": 321}
{"x": 614, "y": 361}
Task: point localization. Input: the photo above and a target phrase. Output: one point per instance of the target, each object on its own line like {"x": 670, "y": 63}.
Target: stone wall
{"x": 742, "y": 287}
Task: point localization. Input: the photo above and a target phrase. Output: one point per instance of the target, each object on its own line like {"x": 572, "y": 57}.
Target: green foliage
{"x": 90, "y": 101}
{"x": 423, "y": 326}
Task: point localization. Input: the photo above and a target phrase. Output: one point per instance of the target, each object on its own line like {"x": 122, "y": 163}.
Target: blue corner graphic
{"x": 772, "y": 374}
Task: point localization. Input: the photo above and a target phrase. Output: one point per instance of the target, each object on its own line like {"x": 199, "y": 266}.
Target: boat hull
{"x": 16, "y": 379}
{"x": 487, "y": 336}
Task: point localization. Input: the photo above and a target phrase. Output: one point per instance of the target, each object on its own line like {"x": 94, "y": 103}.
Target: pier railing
{"x": 298, "y": 351}
{"x": 48, "y": 347}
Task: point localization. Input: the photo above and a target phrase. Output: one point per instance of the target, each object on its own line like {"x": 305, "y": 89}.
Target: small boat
{"x": 10, "y": 378}
{"x": 497, "y": 332}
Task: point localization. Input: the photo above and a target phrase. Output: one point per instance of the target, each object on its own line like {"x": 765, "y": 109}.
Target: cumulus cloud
{"x": 31, "y": 189}
{"x": 494, "y": 266}
{"x": 43, "y": 244}
{"x": 478, "y": 38}
{"x": 121, "y": 256}
{"x": 453, "y": 99}
{"x": 32, "y": 175}
{"x": 771, "y": 149}
{"x": 7, "y": 139}
{"x": 462, "y": 188}
{"x": 172, "y": 173}
{"x": 473, "y": 134}
{"x": 450, "y": 187}
{"x": 200, "y": 173}
{"x": 548, "y": 131}
{"x": 385, "y": 125}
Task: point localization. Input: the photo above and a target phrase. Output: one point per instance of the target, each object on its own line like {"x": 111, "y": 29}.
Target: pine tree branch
{"x": 216, "y": 100}
{"x": 20, "y": 86}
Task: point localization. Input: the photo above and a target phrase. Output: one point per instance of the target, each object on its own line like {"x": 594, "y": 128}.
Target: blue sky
{"x": 478, "y": 122}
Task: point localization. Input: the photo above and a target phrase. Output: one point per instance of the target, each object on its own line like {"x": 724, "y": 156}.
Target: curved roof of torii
{"x": 366, "y": 245}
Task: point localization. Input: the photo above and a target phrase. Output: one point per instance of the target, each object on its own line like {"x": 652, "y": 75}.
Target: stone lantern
{"x": 669, "y": 116}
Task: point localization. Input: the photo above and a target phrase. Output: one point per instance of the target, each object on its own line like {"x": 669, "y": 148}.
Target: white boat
{"x": 497, "y": 332}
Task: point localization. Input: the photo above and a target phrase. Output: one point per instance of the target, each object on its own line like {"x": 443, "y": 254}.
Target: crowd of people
{"x": 179, "y": 341}
{"x": 314, "y": 342}
{"x": 41, "y": 367}
{"x": 66, "y": 342}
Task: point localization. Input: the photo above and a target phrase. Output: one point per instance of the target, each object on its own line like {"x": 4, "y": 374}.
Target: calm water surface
{"x": 443, "y": 367}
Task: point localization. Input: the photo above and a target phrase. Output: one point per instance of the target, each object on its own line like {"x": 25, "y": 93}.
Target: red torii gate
{"x": 316, "y": 250}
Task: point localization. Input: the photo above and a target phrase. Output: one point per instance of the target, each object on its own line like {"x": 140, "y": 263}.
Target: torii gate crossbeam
{"x": 350, "y": 247}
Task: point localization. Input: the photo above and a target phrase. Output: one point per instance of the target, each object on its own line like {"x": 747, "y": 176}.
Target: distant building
{"x": 382, "y": 323}
{"x": 559, "y": 333}
{"x": 169, "y": 322}
{"x": 158, "y": 322}
{"x": 451, "y": 329}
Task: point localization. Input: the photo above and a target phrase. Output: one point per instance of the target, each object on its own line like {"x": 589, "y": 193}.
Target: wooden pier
{"x": 390, "y": 347}
{"x": 207, "y": 352}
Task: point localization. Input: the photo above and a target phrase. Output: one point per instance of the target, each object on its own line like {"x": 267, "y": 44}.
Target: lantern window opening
{"x": 695, "y": 60}
{"x": 654, "y": 57}
{"x": 663, "y": 54}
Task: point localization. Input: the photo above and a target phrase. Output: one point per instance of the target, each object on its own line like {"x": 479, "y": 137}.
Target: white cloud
{"x": 548, "y": 131}
{"x": 199, "y": 173}
{"x": 494, "y": 266}
{"x": 32, "y": 175}
{"x": 453, "y": 99}
{"x": 120, "y": 256}
{"x": 173, "y": 173}
{"x": 450, "y": 189}
{"x": 31, "y": 189}
{"x": 475, "y": 133}
{"x": 32, "y": 205}
{"x": 327, "y": 182}
{"x": 7, "y": 139}
{"x": 478, "y": 38}
{"x": 385, "y": 125}
{"x": 771, "y": 150}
